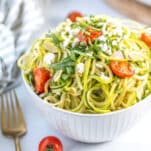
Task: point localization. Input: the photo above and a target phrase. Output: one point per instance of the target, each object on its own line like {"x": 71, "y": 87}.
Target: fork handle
{"x": 17, "y": 143}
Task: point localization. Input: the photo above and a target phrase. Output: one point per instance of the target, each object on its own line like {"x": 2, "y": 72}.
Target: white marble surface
{"x": 136, "y": 139}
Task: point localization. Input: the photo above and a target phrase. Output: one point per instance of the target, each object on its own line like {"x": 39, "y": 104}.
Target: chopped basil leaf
{"x": 55, "y": 39}
{"x": 31, "y": 78}
{"x": 65, "y": 77}
{"x": 69, "y": 70}
{"x": 67, "y": 62}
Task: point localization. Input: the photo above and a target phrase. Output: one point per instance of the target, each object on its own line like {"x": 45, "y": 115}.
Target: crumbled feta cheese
{"x": 75, "y": 41}
{"x": 75, "y": 31}
{"x": 87, "y": 48}
{"x": 63, "y": 35}
{"x": 102, "y": 38}
{"x": 67, "y": 28}
{"x": 100, "y": 23}
{"x": 66, "y": 42}
{"x": 137, "y": 70}
{"x": 86, "y": 18}
{"x": 115, "y": 22}
{"x": 70, "y": 36}
{"x": 114, "y": 42}
{"x": 104, "y": 28}
{"x": 49, "y": 58}
{"x": 109, "y": 51}
{"x": 68, "y": 21}
{"x": 117, "y": 31}
{"x": 103, "y": 76}
{"x": 126, "y": 36}
{"x": 104, "y": 47}
{"x": 80, "y": 67}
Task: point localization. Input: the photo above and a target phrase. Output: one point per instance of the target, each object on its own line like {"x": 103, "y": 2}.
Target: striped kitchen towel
{"x": 20, "y": 20}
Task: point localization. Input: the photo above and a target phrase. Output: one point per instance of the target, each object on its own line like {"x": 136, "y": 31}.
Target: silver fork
{"x": 12, "y": 120}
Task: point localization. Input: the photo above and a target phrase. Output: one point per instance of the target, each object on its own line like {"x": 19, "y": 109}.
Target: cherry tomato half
{"x": 41, "y": 75}
{"x": 121, "y": 69}
{"x": 146, "y": 38}
{"x": 50, "y": 143}
{"x": 89, "y": 35}
{"x": 73, "y": 15}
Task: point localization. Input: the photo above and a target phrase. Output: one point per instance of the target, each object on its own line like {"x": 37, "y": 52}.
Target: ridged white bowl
{"x": 91, "y": 128}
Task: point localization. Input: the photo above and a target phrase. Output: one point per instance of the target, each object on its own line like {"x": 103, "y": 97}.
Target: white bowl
{"x": 91, "y": 128}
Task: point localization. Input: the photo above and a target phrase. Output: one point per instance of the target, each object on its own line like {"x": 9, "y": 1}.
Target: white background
{"x": 136, "y": 139}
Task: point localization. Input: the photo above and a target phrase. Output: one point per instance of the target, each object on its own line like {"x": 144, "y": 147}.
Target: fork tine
{"x": 12, "y": 120}
{"x": 3, "y": 119}
{"x": 20, "y": 115}
{"x": 14, "y": 116}
{"x": 8, "y": 111}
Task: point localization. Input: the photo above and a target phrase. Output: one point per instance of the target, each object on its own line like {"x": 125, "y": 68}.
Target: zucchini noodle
{"x": 81, "y": 77}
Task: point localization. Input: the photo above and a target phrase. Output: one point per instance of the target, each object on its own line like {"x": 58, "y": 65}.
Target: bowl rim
{"x": 145, "y": 100}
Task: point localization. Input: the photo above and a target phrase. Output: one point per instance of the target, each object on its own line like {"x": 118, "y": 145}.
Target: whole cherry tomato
{"x": 73, "y": 15}
{"x": 50, "y": 143}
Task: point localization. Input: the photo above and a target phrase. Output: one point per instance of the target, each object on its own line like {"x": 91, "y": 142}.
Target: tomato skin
{"x": 121, "y": 69}
{"x": 73, "y": 15}
{"x": 92, "y": 35}
{"x": 95, "y": 34}
{"x": 50, "y": 141}
{"x": 146, "y": 38}
{"x": 41, "y": 75}
{"x": 81, "y": 36}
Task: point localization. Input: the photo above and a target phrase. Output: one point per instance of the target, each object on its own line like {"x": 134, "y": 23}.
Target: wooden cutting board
{"x": 136, "y": 10}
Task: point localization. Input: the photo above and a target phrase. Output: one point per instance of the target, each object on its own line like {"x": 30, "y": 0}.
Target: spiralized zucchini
{"x": 81, "y": 77}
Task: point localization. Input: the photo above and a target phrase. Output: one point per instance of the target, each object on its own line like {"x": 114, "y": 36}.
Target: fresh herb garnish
{"x": 79, "y": 48}
{"x": 31, "y": 78}
{"x": 74, "y": 25}
{"x": 55, "y": 39}
{"x": 65, "y": 77}
{"x": 62, "y": 65}
{"x": 69, "y": 70}
{"x": 94, "y": 47}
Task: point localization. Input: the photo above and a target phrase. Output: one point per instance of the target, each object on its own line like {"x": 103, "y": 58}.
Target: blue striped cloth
{"x": 19, "y": 21}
